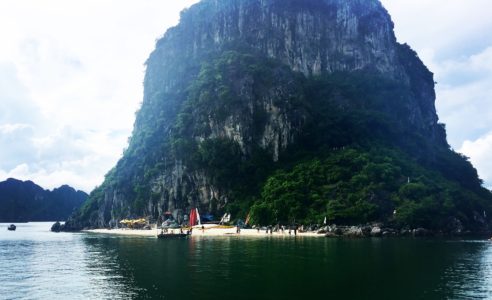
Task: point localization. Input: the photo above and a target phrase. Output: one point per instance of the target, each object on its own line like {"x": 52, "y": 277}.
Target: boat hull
{"x": 172, "y": 235}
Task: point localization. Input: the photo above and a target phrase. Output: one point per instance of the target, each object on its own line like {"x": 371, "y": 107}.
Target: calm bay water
{"x": 38, "y": 264}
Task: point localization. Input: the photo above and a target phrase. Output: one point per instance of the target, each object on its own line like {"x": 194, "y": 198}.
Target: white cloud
{"x": 447, "y": 28}
{"x": 79, "y": 159}
{"x": 480, "y": 153}
{"x": 465, "y": 96}
{"x": 8, "y": 129}
{"x": 71, "y": 76}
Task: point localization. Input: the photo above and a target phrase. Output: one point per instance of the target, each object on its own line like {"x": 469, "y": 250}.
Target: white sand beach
{"x": 207, "y": 232}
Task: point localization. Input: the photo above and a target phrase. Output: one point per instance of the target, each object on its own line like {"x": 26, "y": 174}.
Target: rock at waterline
{"x": 56, "y": 227}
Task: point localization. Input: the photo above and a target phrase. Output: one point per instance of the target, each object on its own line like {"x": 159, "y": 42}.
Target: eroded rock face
{"x": 311, "y": 37}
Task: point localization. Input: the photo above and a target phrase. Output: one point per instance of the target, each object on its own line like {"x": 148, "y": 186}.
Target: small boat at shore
{"x": 12, "y": 227}
{"x": 172, "y": 235}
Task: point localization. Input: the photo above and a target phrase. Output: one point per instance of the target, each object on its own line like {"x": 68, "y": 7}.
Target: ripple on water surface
{"x": 38, "y": 264}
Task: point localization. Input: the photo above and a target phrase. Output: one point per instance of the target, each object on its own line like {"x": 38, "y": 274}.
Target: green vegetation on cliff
{"x": 355, "y": 186}
{"x": 231, "y": 124}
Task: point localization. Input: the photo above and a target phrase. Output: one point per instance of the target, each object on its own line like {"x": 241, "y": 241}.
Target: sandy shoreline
{"x": 207, "y": 232}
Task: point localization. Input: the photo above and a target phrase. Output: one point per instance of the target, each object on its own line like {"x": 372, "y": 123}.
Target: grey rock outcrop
{"x": 376, "y": 231}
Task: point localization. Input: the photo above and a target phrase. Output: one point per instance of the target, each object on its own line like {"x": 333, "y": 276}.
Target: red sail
{"x": 193, "y": 218}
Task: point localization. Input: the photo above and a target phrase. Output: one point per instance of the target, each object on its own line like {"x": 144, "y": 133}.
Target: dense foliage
{"x": 355, "y": 186}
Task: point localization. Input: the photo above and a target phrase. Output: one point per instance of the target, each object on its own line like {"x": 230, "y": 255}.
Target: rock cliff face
{"x": 230, "y": 81}
{"x": 312, "y": 37}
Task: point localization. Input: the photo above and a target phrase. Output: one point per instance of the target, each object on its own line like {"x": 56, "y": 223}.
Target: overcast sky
{"x": 71, "y": 76}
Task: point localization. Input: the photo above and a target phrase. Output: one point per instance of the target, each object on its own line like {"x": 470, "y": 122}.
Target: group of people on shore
{"x": 271, "y": 229}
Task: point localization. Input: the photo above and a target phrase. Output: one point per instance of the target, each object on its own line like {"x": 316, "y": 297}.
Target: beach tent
{"x": 135, "y": 222}
{"x": 207, "y": 218}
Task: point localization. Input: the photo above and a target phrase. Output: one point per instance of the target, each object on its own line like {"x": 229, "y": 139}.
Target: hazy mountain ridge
{"x": 22, "y": 201}
{"x": 243, "y": 90}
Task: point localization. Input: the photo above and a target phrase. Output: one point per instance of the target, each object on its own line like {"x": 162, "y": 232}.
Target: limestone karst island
{"x": 283, "y": 149}
{"x": 289, "y": 112}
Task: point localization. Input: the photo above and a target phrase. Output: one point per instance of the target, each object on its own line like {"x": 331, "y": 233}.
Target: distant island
{"x": 24, "y": 201}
